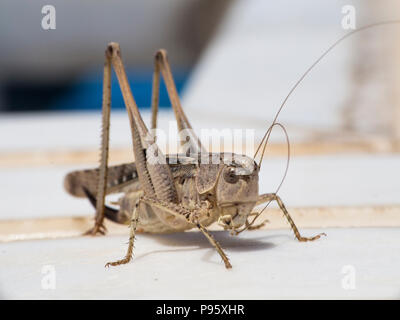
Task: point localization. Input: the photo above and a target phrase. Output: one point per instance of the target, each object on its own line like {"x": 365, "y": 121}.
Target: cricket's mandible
{"x": 189, "y": 191}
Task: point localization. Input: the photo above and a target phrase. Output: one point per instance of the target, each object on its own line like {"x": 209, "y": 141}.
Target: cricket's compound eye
{"x": 230, "y": 175}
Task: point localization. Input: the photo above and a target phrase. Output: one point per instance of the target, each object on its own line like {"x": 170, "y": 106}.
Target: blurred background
{"x": 234, "y": 61}
{"x": 61, "y": 69}
{"x": 223, "y": 53}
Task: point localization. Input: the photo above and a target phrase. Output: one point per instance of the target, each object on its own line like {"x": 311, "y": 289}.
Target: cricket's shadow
{"x": 197, "y": 241}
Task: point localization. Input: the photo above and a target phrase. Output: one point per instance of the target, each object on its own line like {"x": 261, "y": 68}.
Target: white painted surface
{"x": 266, "y": 265}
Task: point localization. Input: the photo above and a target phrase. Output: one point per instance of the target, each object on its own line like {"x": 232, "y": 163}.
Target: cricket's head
{"x": 236, "y": 191}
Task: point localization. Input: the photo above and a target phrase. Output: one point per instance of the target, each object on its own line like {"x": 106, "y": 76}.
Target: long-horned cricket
{"x": 192, "y": 190}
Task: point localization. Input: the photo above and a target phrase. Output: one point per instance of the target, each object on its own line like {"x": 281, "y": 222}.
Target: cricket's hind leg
{"x": 98, "y": 227}
{"x": 161, "y": 65}
{"x": 274, "y": 197}
{"x": 113, "y": 58}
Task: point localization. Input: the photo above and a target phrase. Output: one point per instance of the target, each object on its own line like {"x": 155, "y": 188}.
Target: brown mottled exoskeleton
{"x": 184, "y": 192}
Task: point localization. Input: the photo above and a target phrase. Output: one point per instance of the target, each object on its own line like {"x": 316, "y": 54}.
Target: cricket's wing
{"x": 119, "y": 178}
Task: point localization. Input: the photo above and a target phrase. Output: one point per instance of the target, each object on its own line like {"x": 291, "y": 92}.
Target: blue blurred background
{"x": 61, "y": 69}
{"x": 85, "y": 92}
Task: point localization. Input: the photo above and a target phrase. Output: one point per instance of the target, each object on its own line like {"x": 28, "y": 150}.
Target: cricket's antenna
{"x": 249, "y": 224}
{"x": 268, "y": 133}
{"x": 274, "y": 123}
{"x": 286, "y": 169}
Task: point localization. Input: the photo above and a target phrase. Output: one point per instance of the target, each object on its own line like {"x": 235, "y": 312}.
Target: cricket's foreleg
{"x": 274, "y": 197}
{"x": 99, "y": 227}
{"x": 257, "y": 226}
{"x": 133, "y": 225}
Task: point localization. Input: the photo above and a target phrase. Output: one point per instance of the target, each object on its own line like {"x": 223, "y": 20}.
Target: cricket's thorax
{"x": 160, "y": 221}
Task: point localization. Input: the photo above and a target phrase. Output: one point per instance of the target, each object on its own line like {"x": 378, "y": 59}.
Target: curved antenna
{"x": 269, "y": 130}
{"x": 268, "y": 133}
{"x": 282, "y": 180}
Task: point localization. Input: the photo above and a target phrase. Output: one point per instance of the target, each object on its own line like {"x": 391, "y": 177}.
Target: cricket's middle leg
{"x": 133, "y": 225}
{"x": 190, "y": 216}
{"x": 216, "y": 245}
